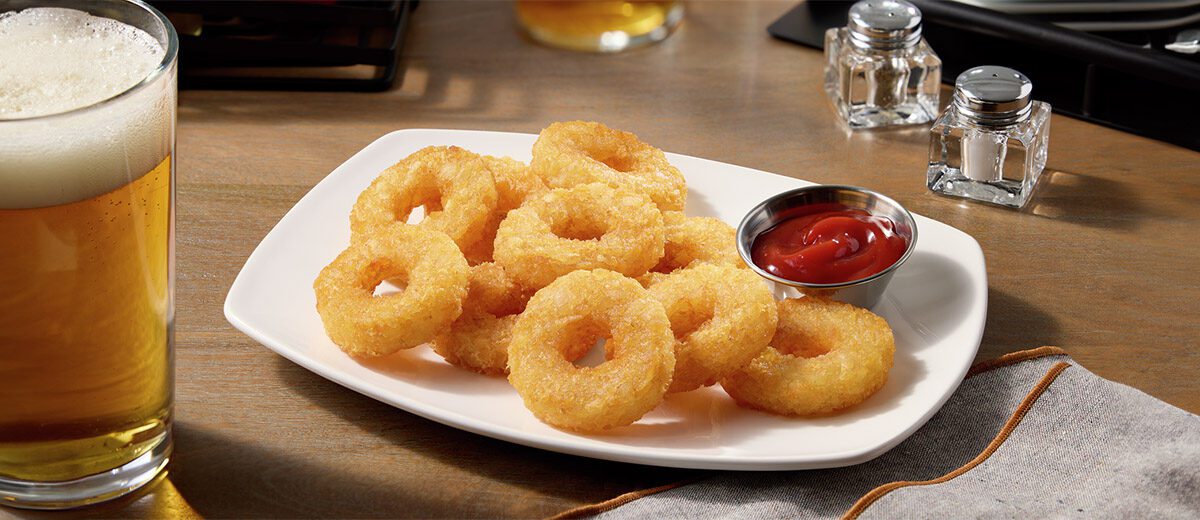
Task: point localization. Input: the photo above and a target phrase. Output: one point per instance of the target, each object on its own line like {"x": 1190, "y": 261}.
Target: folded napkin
{"x": 1029, "y": 435}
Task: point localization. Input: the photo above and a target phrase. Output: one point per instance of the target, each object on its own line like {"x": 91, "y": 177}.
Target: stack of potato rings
{"x": 522, "y": 270}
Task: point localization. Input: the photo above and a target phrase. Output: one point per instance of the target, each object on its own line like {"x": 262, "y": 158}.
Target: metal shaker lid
{"x": 884, "y": 24}
{"x": 993, "y": 95}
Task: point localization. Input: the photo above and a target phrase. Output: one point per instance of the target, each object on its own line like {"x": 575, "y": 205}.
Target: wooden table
{"x": 1104, "y": 265}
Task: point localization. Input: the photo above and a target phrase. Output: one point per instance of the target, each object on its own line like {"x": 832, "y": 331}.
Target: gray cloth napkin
{"x": 1042, "y": 438}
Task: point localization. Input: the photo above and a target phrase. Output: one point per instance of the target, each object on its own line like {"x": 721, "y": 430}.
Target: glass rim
{"x": 167, "y": 61}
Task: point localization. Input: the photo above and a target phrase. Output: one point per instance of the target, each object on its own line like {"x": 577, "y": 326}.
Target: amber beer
{"x": 86, "y": 252}
{"x": 599, "y": 25}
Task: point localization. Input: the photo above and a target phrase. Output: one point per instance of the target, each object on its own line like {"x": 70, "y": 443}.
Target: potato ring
{"x": 515, "y": 183}
{"x": 363, "y": 324}
{"x": 722, "y": 318}
{"x": 451, "y": 183}
{"x": 825, "y": 356}
{"x": 589, "y": 226}
{"x": 478, "y": 340}
{"x": 579, "y": 152}
{"x": 563, "y": 321}
{"x": 691, "y": 241}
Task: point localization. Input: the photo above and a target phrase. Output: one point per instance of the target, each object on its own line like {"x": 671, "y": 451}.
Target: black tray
{"x": 288, "y": 45}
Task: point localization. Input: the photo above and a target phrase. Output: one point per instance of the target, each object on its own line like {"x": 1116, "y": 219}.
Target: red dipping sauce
{"x": 828, "y": 243}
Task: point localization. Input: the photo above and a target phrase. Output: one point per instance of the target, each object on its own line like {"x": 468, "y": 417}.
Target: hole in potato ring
{"x": 694, "y": 240}
{"x": 722, "y": 317}
{"x": 562, "y": 322}
{"x": 432, "y": 269}
{"x": 588, "y": 226}
{"x": 825, "y": 356}
{"x": 478, "y": 340}
{"x": 450, "y": 183}
{"x": 515, "y": 183}
{"x": 579, "y": 152}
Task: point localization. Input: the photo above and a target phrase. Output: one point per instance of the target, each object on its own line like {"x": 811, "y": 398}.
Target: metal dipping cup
{"x": 864, "y": 292}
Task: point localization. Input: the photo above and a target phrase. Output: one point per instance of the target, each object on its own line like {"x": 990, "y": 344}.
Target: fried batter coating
{"x": 452, "y": 184}
{"x": 563, "y": 321}
{"x": 578, "y": 152}
{"x": 363, "y": 324}
{"x": 826, "y": 356}
{"x": 589, "y": 226}
{"x": 722, "y": 318}
{"x": 515, "y": 183}
{"x": 478, "y": 340}
{"x": 691, "y": 241}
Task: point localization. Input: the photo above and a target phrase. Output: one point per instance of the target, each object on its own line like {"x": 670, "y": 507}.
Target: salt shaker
{"x": 879, "y": 71}
{"x": 990, "y": 144}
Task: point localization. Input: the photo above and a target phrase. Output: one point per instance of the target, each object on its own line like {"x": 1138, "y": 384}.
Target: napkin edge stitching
{"x": 587, "y": 510}
{"x": 988, "y": 365}
{"x": 1014, "y": 420}
{"x": 1013, "y": 358}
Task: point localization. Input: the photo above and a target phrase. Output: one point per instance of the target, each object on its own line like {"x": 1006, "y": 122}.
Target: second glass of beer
{"x": 87, "y": 195}
{"x": 599, "y": 25}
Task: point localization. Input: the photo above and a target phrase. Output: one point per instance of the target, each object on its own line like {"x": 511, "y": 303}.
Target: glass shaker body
{"x": 874, "y": 83}
{"x": 989, "y": 161}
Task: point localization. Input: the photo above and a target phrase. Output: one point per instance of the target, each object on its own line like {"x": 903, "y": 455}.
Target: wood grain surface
{"x": 1104, "y": 264}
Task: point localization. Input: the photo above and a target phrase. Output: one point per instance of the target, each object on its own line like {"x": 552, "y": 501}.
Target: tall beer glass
{"x": 87, "y": 194}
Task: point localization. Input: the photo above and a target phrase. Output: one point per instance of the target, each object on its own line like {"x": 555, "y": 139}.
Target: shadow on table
{"x": 1014, "y": 324}
{"x": 221, "y": 477}
{"x": 212, "y": 475}
{"x": 574, "y": 479}
{"x": 1089, "y": 200}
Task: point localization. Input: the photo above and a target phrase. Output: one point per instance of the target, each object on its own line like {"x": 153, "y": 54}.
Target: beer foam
{"x": 57, "y": 60}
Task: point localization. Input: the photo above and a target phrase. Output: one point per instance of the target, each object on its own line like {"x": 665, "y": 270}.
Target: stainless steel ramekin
{"x": 864, "y": 292}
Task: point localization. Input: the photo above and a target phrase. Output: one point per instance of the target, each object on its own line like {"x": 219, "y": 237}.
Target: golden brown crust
{"x": 452, "y": 184}
{"x": 367, "y": 325}
{"x": 589, "y": 226}
{"x": 825, "y": 356}
{"x": 478, "y": 340}
{"x": 580, "y": 152}
{"x": 562, "y": 322}
{"x": 722, "y": 318}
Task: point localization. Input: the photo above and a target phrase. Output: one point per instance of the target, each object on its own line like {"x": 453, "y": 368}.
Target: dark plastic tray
{"x": 234, "y": 45}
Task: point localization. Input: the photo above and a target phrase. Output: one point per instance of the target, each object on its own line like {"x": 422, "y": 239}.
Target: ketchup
{"x": 828, "y": 243}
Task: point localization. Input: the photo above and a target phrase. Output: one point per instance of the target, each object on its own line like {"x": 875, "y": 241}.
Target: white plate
{"x": 936, "y": 306}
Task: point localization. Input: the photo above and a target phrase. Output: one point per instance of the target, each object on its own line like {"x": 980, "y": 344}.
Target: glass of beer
{"x": 87, "y": 194}
{"x": 599, "y": 25}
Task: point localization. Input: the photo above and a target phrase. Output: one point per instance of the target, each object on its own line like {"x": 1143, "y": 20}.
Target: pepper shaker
{"x": 991, "y": 143}
{"x": 879, "y": 71}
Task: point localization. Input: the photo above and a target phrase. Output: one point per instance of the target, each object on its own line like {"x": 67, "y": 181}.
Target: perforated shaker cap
{"x": 993, "y": 95}
{"x": 884, "y": 24}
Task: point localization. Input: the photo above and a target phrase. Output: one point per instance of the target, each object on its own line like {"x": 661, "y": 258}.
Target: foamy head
{"x": 57, "y": 60}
